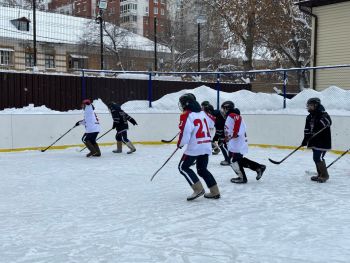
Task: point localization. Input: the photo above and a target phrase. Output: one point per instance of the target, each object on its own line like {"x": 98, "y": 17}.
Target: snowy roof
{"x": 315, "y": 3}
{"x": 60, "y": 28}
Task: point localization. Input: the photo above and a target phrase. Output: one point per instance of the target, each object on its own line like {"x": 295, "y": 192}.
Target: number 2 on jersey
{"x": 200, "y": 133}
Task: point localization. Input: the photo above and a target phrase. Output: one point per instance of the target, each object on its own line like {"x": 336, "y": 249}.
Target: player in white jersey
{"x": 92, "y": 128}
{"x": 236, "y": 137}
{"x": 195, "y": 128}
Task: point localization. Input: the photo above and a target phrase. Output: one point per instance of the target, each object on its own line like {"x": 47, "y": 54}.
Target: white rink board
{"x": 40, "y": 130}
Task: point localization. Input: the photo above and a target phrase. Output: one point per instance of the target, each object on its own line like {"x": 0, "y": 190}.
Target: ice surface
{"x": 60, "y": 206}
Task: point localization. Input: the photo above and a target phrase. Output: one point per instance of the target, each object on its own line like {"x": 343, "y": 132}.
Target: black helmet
{"x": 207, "y": 107}
{"x": 112, "y": 105}
{"x": 228, "y": 105}
{"x": 315, "y": 101}
{"x": 186, "y": 100}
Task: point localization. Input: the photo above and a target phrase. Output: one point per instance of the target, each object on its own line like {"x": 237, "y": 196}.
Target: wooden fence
{"x": 65, "y": 92}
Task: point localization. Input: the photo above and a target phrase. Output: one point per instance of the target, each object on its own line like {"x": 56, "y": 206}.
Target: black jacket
{"x": 315, "y": 122}
{"x": 120, "y": 118}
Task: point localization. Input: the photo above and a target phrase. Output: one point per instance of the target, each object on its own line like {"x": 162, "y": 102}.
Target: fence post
{"x": 218, "y": 91}
{"x": 285, "y": 81}
{"x": 150, "y": 90}
{"x": 83, "y": 88}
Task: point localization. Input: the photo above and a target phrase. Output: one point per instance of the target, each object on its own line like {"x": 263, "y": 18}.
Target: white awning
{"x": 7, "y": 49}
{"x": 77, "y": 56}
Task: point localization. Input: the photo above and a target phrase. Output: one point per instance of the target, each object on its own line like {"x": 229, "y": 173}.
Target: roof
{"x": 316, "y": 3}
{"x": 65, "y": 29}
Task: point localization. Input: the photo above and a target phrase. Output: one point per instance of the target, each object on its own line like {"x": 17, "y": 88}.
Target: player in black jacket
{"x": 318, "y": 120}
{"x": 120, "y": 123}
{"x": 219, "y": 131}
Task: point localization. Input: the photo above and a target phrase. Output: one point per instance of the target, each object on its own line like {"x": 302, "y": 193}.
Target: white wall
{"x": 40, "y": 130}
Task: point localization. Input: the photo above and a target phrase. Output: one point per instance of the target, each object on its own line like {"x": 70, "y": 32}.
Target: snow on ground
{"x": 335, "y": 100}
{"x": 59, "y": 206}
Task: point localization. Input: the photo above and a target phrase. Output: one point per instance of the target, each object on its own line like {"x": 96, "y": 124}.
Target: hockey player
{"x": 120, "y": 123}
{"x": 194, "y": 132}
{"x": 92, "y": 128}
{"x": 219, "y": 136}
{"x": 317, "y": 120}
{"x": 235, "y": 133}
{"x": 209, "y": 110}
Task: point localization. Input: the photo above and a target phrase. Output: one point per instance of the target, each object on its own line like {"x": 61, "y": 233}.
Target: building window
{"x": 162, "y": 2}
{"x": 29, "y": 60}
{"x": 155, "y": 1}
{"x": 5, "y": 57}
{"x": 146, "y": 11}
{"x": 162, "y": 11}
{"x": 49, "y": 61}
{"x": 156, "y": 10}
{"x": 77, "y": 61}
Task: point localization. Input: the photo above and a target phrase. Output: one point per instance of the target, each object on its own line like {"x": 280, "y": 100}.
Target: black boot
{"x": 260, "y": 171}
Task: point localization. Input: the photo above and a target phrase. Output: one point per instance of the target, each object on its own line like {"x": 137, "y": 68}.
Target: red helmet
{"x": 86, "y": 102}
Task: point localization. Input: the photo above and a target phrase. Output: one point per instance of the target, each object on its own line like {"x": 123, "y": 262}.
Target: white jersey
{"x": 195, "y": 132}
{"x": 90, "y": 120}
{"x": 235, "y": 131}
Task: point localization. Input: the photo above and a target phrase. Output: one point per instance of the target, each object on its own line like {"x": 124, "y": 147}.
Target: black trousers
{"x": 224, "y": 149}
{"x": 122, "y": 136}
{"x": 244, "y": 162}
{"x": 90, "y": 137}
{"x": 318, "y": 155}
{"x": 201, "y": 165}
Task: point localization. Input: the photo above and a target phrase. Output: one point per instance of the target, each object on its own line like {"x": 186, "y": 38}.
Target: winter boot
{"x": 242, "y": 178}
{"x": 324, "y": 176}
{"x": 119, "y": 147}
{"x": 214, "y": 193}
{"x": 97, "y": 149}
{"x": 131, "y": 147}
{"x": 225, "y": 163}
{"x": 260, "y": 171}
{"x": 91, "y": 148}
{"x": 315, "y": 177}
{"x": 198, "y": 191}
{"x": 216, "y": 148}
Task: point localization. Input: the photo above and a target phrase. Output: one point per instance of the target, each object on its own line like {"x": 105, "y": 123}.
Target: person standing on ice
{"x": 120, "y": 123}
{"x": 317, "y": 120}
{"x": 219, "y": 131}
{"x": 235, "y": 135}
{"x": 92, "y": 128}
{"x": 194, "y": 132}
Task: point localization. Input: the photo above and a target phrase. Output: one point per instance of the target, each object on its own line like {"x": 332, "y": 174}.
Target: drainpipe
{"x": 315, "y": 42}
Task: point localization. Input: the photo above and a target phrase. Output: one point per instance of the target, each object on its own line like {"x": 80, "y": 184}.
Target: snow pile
{"x": 335, "y": 100}
{"x": 146, "y": 76}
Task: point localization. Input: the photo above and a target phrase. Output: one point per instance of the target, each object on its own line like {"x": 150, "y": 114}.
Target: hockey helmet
{"x": 186, "y": 100}
{"x": 314, "y": 101}
{"x": 86, "y": 102}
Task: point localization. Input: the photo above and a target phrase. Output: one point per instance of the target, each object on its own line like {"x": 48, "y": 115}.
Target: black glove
{"x": 114, "y": 125}
{"x": 77, "y": 124}
{"x": 305, "y": 141}
{"x": 133, "y": 122}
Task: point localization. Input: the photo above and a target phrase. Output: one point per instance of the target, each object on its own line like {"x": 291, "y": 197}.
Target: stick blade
{"x": 274, "y": 162}
{"x": 42, "y": 151}
{"x": 165, "y": 141}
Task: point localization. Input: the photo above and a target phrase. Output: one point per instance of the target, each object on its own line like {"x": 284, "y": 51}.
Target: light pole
{"x": 102, "y": 6}
{"x": 200, "y": 20}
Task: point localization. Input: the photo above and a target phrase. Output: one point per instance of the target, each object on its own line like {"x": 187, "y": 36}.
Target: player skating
{"x": 120, "y": 123}
{"x": 235, "y": 132}
{"x": 194, "y": 132}
{"x": 318, "y": 120}
{"x": 92, "y": 128}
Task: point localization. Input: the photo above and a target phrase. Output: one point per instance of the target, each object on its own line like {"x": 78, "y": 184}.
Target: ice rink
{"x": 60, "y": 206}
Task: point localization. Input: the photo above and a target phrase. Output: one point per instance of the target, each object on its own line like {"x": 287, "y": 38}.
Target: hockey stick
{"x": 43, "y": 150}
{"x": 164, "y": 163}
{"x": 169, "y": 141}
{"x": 338, "y": 158}
{"x": 98, "y": 138}
{"x": 313, "y": 136}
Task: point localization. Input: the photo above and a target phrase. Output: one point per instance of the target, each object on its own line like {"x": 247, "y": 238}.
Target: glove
{"x": 114, "y": 125}
{"x": 133, "y": 122}
{"x": 305, "y": 141}
{"x": 77, "y": 124}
